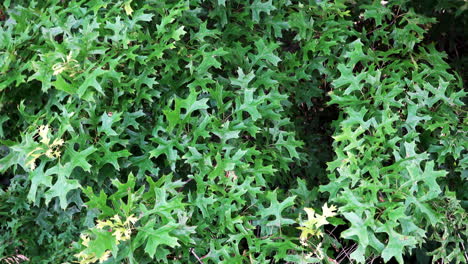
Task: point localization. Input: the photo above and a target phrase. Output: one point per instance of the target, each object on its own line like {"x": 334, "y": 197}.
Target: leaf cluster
{"x": 137, "y": 131}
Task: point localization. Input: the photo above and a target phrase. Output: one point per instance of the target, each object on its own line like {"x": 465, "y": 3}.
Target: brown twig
{"x": 463, "y": 246}
{"x": 182, "y": 187}
{"x": 345, "y": 252}
{"x": 14, "y": 259}
{"x": 196, "y": 256}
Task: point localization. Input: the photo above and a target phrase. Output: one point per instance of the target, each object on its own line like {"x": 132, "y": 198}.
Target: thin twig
{"x": 463, "y": 246}
{"x": 345, "y": 252}
{"x": 182, "y": 187}
{"x": 196, "y": 256}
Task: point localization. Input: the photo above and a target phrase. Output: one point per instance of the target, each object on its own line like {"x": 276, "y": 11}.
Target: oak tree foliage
{"x": 214, "y": 131}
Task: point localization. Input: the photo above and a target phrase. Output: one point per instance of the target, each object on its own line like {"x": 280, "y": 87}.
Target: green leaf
{"x": 243, "y": 80}
{"x": 79, "y": 159}
{"x": 98, "y": 202}
{"x": 38, "y": 178}
{"x": 9, "y": 160}
{"x": 209, "y": 60}
{"x": 203, "y": 32}
{"x": 61, "y": 84}
{"x": 396, "y": 245}
{"x": 348, "y": 79}
{"x": 108, "y": 119}
{"x": 3, "y": 119}
{"x": 165, "y": 147}
{"x": 103, "y": 241}
{"x": 276, "y": 208}
{"x": 358, "y": 232}
{"x": 250, "y": 104}
{"x": 157, "y": 236}
{"x": 265, "y": 52}
{"x": 376, "y": 11}
{"x": 259, "y": 7}
{"x": 112, "y": 157}
{"x": 60, "y": 189}
{"x": 90, "y": 80}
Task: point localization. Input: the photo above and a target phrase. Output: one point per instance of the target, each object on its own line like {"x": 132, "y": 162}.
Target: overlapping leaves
{"x": 184, "y": 115}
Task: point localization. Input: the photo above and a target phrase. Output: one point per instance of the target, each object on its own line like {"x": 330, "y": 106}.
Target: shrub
{"x": 206, "y": 131}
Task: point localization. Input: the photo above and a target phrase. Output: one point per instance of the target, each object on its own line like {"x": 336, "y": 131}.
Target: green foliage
{"x": 200, "y": 131}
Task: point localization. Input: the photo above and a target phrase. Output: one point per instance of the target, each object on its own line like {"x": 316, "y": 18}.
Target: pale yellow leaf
{"x": 328, "y": 211}
{"x": 128, "y": 8}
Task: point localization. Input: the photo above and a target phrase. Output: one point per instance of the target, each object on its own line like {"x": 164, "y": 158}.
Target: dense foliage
{"x": 148, "y": 131}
